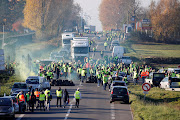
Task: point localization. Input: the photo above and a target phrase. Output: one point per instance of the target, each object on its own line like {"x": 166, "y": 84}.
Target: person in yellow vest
{"x": 77, "y": 96}
{"x": 83, "y": 74}
{"x": 48, "y": 99}
{"x": 21, "y": 99}
{"x": 27, "y": 97}
{"x": 42, "y": 99}
{"x": 105, "y": 81}
{"x": 105, "y": 45}
{"x": 59, "y": 96}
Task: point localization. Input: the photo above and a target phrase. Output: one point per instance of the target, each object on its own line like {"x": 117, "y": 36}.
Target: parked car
{"x": 37, "y": 82}
{"x": 15, "y": 103}
{"x": 19, "y": 85}
{"x": 115, "y": 78}
{"x": 7, "y": 108}
{"x": 114, "y": 43}
{"x": 155, "y": 78}
{"x": 170, "y": 82}
{"x": 119, "y": 93}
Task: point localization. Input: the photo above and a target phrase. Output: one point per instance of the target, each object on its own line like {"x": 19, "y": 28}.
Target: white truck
{"x": 79, "y": 48}
{"x": 66, "y": 38}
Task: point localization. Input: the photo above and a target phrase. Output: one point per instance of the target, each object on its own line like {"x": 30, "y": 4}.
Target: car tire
{"x": 13, "y": 117}
{"x": 110, "y": 101}
{"x": 127, "y": 102}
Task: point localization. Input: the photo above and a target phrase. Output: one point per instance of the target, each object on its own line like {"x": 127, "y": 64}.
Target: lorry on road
{"x": 66, "y": 38}
{"x": 155, "y": 78}
{"x": 79, "y": 48}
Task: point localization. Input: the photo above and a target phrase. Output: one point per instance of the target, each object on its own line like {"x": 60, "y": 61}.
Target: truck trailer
{"x": 79, "y": 48}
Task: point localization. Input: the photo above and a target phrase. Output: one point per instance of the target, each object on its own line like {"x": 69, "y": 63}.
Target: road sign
{"x": 146, "y": 86}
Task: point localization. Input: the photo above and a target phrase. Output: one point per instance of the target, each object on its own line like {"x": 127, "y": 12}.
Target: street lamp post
{"x": 3, "y": 38}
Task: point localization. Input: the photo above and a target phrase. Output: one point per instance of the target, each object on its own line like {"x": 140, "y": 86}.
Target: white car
{"x": 169, "y": 82}
{"x": 126, "y": 60}
{"x": 37, "y": 82}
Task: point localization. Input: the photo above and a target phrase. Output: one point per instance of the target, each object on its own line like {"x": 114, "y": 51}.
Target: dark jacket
{"x": 65, "y": 95}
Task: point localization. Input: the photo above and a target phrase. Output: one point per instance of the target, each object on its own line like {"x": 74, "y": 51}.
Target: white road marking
{"x": 112, "y": 112}
{"x": 131, "y": 112}
{"x": 69, "y": 111}
{"x": 20, "y": 117}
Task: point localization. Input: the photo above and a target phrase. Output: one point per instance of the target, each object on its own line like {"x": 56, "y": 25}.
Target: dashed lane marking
{"x": 112, "y": 112}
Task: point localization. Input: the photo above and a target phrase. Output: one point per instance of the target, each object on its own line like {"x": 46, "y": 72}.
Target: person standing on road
{"x": 105, "y": 81}
{"x": 83, "y": 74}
{"x": 32, "y": 100}
{"x": 135, "y": 77}
{"x": 143, "y": 76}
{"x": 105, "y": 45}
{"x": 48, "y": 99}
{"x": 102, "y": 53}
{"x": 59, "y": 96}
{"x": 99, "y": 76}
{"x": 27, "y": 97}
{"x": 77, "y": 96}
{"x": 65, "y": 97}
{"x": 37, "y": 93}
{"x": 42, "y": 98}
{"x": 94, "y": 50}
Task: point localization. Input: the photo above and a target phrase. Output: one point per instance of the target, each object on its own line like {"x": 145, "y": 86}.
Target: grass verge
{"x": 158, "y": 105}
{"x": 5, "y": 87}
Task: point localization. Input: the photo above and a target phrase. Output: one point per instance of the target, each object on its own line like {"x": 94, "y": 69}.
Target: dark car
{"x": 19, "y": 86}
{"x": 119, "y": 93}
{"x": 6, "y": 108}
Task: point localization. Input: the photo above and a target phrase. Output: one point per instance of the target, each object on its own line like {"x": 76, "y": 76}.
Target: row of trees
{"x": 49, "y": 17}
{"x": 164, "y": 16}
{"x": 114, "y": 13}
{"x": 11, "y": 12}
{"x": 165, "y": 19}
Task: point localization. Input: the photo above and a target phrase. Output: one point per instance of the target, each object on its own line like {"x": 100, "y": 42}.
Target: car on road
{"x": 170, "y": 82}
{"x": 117, "y": 78}
{"x": 155, "y": 78}
{"x": 15, "y": 103}
{"x": 114, "y": 43}
{"x": 119, "y": 93}
{"x": 19, "y": 85}
{"x": 38, "y": 82}
{"x": 7, "y": 108}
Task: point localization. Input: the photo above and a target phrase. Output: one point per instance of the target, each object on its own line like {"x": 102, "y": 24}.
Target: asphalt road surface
{"x": 94, "y": 105}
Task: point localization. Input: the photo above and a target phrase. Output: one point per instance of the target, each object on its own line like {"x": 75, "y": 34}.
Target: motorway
{"x": 95, "y": 103}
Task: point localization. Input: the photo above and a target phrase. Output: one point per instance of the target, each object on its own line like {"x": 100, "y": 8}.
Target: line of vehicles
{"x": 9, "y": 105}
{"x": 159, "y": 79}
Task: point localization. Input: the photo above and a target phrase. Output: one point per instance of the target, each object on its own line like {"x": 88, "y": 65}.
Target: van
{"x": 37, "y": 82}
{"x": 118, "y": 51}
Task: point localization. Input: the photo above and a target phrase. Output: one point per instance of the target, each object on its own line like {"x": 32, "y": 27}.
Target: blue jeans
{"x": 99, "y": 82}
{"x": 143, "y": 79}
{"x": 104, "y": 86}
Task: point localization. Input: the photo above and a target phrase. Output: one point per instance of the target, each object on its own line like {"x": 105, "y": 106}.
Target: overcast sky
{"x": 91, "y": 9}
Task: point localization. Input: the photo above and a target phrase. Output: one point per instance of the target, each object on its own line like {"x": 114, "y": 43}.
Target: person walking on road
{"x": 27, "y": 97}
{"x": 105, "y": 81}
{"x": 65, "y": 97}
{"x": 48, "y": 99}
{"x": 105, "y": 45}
{"x": 37, "y": 93}
{"x": 102, "y": 53}
{"x": 94, "y": 50}
{"x": 77, "y": 96}
{"x": 59, "y": 96}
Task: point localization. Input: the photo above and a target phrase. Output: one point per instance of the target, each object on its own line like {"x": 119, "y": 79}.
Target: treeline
{"x": 164, "y": 16}
{"x": 48, "y": 18}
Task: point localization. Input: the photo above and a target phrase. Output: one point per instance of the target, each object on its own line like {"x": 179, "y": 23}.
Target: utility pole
{"x": 3, "y": 38}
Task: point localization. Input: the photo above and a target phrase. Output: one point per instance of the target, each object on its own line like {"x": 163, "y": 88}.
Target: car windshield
{"x": 80, "y": 50}
{"x": 20, "y": 86}
{"x": 126, "y": 58}
{"x": 5, "y": 102}
{"x": 175, "y": 79}
{"x": 118, "y": 84}
{"x": 32, "y": 81}
{"x": 119, "y": 90}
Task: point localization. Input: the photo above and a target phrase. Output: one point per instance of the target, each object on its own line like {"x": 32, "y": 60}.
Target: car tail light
{"x": 111, "y": 92}
{"x": 127, "y": 93}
